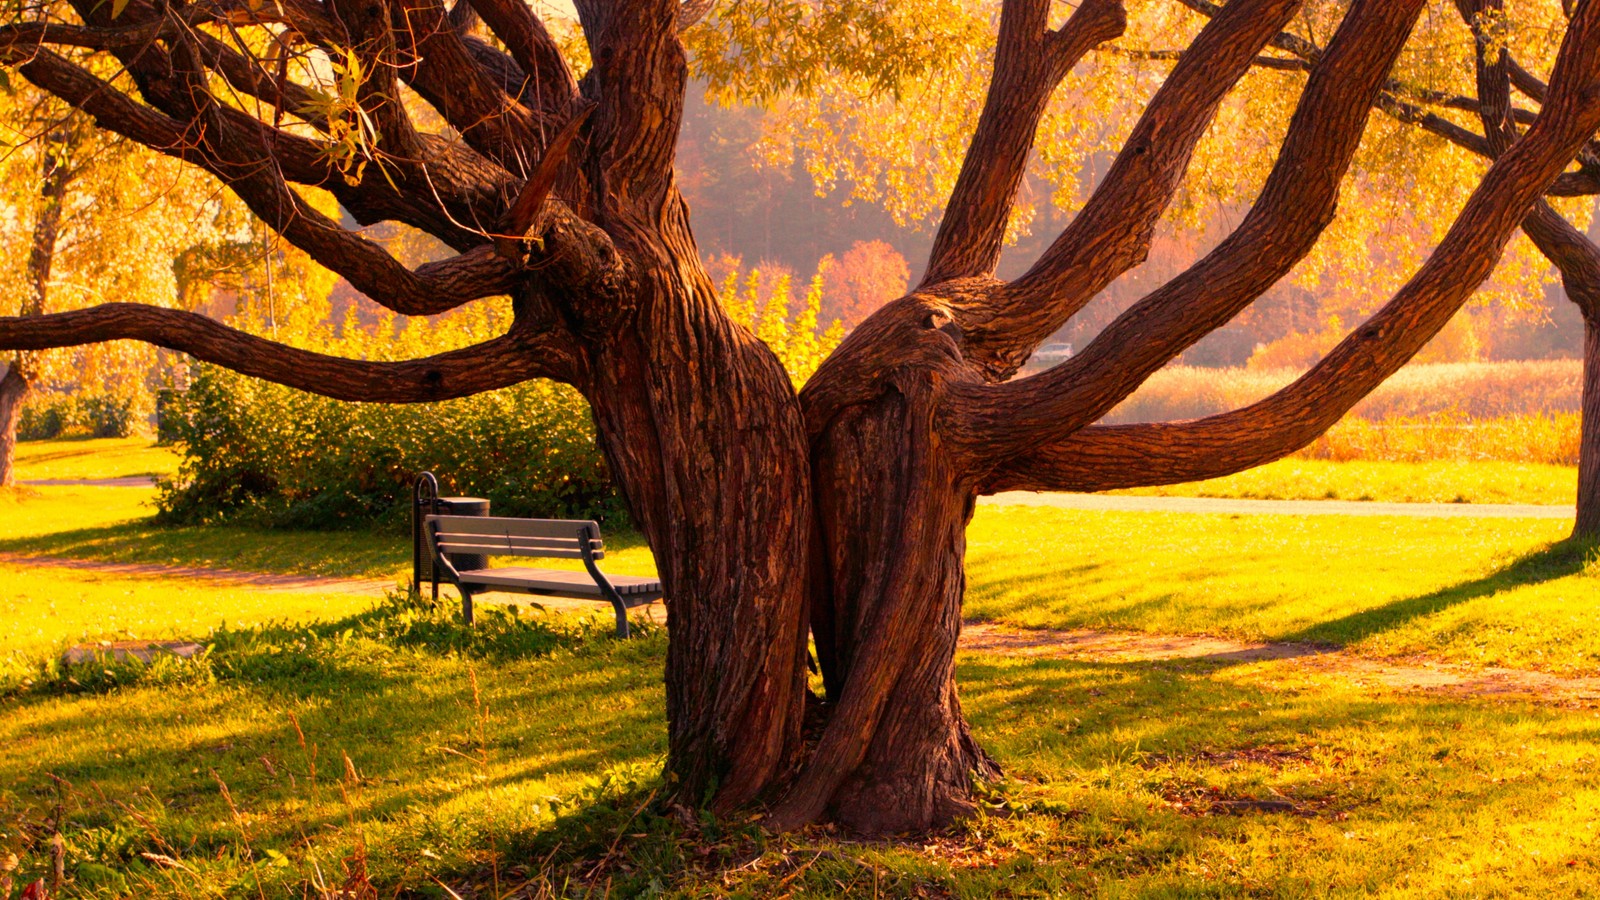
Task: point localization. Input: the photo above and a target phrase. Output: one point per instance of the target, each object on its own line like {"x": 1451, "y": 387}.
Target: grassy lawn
{"x": 331, "y": 743}
{"x": 391, "y": 750}
{"x": 1443, "y": 481}
{"x": 1484, "y": 591}
{"x": 94, "y": 458}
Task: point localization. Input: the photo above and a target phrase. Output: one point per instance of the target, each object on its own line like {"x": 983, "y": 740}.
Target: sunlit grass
{"x": 1452, "y": 588}
{"x": 1477, "y": 590}
{"x": 368, "y": 760}
{"x": 94, "y": 458}
{"x": 1444, "y": 481}
{"x": 358, "y": 744}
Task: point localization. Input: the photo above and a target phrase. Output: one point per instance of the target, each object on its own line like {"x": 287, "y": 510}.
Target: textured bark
{"x": 13, "y": 390}
{"x": 703, "y": 433}
{"x": 845, "y": 508}
{"x": 1587, "y": 524}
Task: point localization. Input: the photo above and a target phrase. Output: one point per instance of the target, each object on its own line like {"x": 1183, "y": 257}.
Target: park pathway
{"x": 1122, "y": 503}
{"x": 1402, "y": 675}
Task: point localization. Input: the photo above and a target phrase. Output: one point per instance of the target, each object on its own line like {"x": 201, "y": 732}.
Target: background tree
{"x": 84, "y": 206}
{"x": 865, "y": 277}
{"x": 843, "y": 508}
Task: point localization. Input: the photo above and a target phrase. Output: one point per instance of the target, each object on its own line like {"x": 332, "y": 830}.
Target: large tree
{"x": 839, "y": 512}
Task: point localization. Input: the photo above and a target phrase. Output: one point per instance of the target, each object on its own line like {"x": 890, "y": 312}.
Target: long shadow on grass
{"x": 406, "y": 706}
{"x": 1559, "y": 560}
{"x": 1117, "y": 764}
{"x": 339, "y": 553}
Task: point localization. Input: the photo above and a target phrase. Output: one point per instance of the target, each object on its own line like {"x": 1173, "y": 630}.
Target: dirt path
{"x": 267, "y": 581}
{"x": 1118, "y": 503}
{"x": 125, "y": 481}
{"x": 977, "y": 637}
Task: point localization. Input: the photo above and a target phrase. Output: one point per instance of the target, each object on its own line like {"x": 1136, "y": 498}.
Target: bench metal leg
{"x": 622, "y": 616}
{"x": 466, "y": 605}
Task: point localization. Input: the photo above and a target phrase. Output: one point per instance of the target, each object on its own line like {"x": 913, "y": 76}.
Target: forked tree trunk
{"x": 1587, "y": 523}
{"x": 892, "y": 518}
{"x": 13, "y": 390}
{"x": 846, "y": 507}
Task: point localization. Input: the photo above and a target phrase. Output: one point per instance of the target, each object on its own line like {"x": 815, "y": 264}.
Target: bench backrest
{"x": 488, "y": 536}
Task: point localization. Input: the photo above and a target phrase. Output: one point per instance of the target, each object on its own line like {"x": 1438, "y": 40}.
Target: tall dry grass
{"x": 1514, "y": 411}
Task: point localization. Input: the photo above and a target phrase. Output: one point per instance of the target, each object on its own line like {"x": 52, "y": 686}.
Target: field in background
{"x": 1439, "y": 481}
{"x": 1512, "y": 411}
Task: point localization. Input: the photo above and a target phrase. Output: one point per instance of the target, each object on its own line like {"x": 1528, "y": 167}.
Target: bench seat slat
{"x": 483, "y": 548}
{"x": 500, "y": 527}
{"x": 558, "y": 580}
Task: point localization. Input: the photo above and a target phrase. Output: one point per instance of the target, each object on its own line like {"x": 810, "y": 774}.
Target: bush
{"x": 261, "y": 452}
{"x": 47, "y": 415}
{"x": 271, "y": 454}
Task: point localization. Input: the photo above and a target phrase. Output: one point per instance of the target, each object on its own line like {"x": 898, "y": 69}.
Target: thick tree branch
{"x": 1030, "y": 61}
{"x": 552, "y": 88}
{"x": 1296, "y": 204}
{"x": 638, "y": 79}
{"x": 1124, "y": 456}
{"x": 1113, "y": 231}
{"x": 497, "y": 363}
{"x": 447, "y": 73}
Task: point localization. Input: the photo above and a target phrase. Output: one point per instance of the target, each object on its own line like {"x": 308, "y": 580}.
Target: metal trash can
{"x": 427, "y": 502}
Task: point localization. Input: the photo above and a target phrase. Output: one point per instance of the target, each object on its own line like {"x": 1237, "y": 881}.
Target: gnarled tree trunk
{"x": 843, "y": 509}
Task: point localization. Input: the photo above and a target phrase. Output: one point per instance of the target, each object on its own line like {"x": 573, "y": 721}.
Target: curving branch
{"x": 1113, "y": 231}
{"x": 459, "y": 197}
{"x": 509, "y": 359}
{"x": 1030, "y": 61}
{"x": 1102, "y": 458}
{"x": 448, "y": 72}
{"x": 552, "y": 86}
{"x": 253, "y": 160}
{"x": 1296, "y": 204}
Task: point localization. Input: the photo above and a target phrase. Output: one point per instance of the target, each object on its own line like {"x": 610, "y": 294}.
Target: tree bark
{"x": 702, "y": 430}
{"x": 844, "y": 508}
{"x": 13, "y": 390}
{"x": 892, "y": 506}
{"x": 1586, "y": 526}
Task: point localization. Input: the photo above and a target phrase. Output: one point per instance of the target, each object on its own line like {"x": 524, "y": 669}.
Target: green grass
{"x": 94, "y": 458}
{"x": 114, "y": 525}
{"x": 46, "y": 608}
{"x": 343, "y": 743}
{"x": 1445, "y": 481}
{"x": 1482, "y": 591}
{"x": 389, "y": 749}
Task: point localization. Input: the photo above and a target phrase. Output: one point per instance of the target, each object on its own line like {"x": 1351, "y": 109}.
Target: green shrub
{"x": 119, "y": 412}
{"x": 266, "y": 453}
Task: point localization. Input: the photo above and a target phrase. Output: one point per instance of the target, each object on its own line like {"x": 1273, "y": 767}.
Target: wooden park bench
{"x": 484, "y": 536}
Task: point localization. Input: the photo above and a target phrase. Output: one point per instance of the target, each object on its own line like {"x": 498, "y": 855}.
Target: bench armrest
{"x": 440, "y": 562}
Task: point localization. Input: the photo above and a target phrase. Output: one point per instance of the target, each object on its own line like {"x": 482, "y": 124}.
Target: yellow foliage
{"x": 761, "y": 302}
